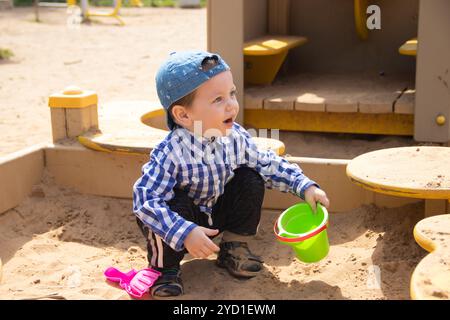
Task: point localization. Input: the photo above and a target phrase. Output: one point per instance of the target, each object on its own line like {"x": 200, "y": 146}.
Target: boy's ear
{"x": 180, "y": 115}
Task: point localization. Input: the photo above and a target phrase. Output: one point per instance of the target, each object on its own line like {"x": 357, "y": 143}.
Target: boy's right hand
{"x": 198, "y": 244}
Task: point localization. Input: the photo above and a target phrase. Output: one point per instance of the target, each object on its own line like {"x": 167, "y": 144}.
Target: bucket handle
{"x": 298, "y": 239}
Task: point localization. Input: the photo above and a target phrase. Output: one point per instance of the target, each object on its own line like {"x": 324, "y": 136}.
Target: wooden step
{"x": 353, "y": 94}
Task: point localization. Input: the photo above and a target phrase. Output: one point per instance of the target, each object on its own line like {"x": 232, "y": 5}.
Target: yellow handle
{"x": 360, "y": 7}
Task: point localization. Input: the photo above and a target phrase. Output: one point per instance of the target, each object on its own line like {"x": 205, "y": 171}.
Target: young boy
{"x": 207, "y": 176}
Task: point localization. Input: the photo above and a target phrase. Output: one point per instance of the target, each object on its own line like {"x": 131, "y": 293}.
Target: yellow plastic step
{"x": 264, "y": 56}
{"x": 270, "y": 45}
{"x": 409, "y": 48}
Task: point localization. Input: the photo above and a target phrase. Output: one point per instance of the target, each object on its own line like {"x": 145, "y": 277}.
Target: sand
{"x": 58, "y": 242}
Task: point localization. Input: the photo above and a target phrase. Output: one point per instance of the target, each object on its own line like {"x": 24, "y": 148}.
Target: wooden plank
{"x": 253, "y": 98}
{"x": 293, "y": 120}
{"x": 379, "y": 93}
{"x": 432, "y": 72}
{"x": 310, "y": 102}
{"x": 377, "y": 102}
{"x": 375, "y": 107}
{"x": 336, "y": 93}
{"x": 340, "y": 91}
{"x": 58, "y": 120}
{"x": 338, "y": 105}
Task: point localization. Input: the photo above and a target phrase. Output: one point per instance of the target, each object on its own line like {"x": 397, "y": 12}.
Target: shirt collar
{"x": 199, "y": 140}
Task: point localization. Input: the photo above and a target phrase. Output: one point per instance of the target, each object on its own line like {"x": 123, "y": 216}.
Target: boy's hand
{"x": 198, "y": 244}
{"x": 314, "y": 195}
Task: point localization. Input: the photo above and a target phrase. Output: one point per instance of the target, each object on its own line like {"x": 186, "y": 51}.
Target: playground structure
{"x": 86, "y": 13}
{"x": 343, "y": 77}
{"x": 86, "y": 152}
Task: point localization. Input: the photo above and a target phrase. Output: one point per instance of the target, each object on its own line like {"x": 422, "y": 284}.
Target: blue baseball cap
{"x": 182, "y": 73}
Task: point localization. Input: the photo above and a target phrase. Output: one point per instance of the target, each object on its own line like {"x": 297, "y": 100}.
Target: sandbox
{"x": 70, "y": 217}
{"x": 66, "y": 215}
{"x": 58, "y": 241}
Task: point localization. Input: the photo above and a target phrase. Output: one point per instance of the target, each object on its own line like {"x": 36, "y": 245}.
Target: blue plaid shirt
{"x": 202, "y": 167}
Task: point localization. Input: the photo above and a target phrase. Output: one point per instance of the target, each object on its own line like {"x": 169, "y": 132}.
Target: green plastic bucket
{"x": 304, "y": 231}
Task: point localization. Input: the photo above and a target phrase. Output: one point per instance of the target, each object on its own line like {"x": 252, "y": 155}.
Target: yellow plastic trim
{"x": 262, "y": 70}
{"x": 423, "y": 241}
{"x": 87, "y": 142}
{"x": 294, "y": 120}
{"x": 136, "y": 3}
{"x": 270, "y": 144}
{"x": 83, "y": 100}
{"x": 271, "y": 45}
{"x": 114, "y": 13}
{"x": 409, "y": 48}
{"x": 152, "y": 114}
{"x": 360, "y": 7}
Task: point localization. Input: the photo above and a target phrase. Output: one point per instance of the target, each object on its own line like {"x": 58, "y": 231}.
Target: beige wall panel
{"x": 19, "y": 171}
{"x": 226, "y": 36}
{"x": 94, "y": 172}
{"x": 114, "y": 175}
{"x": 433, "y": 72}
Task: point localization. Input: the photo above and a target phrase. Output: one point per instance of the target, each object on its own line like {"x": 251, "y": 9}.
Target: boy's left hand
{"x": 314, "y": 195}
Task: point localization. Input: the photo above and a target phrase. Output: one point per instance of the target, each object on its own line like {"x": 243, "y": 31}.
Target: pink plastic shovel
{"x": 136, "y": 283}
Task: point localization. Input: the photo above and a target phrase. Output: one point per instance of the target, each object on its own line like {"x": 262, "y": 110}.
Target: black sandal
{"x": 169, "y": 284}
{"x": 236, "y": 257}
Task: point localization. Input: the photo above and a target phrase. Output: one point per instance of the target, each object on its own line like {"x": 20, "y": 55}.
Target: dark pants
{"x": 237, "y": 210}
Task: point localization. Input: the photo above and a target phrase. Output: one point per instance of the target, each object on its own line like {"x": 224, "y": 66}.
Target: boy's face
{"x": 215, "y": 105}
